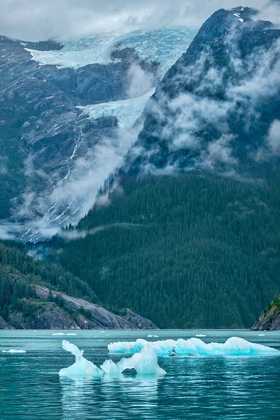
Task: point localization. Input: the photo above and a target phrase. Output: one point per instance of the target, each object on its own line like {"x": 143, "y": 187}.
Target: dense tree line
{"x": 18, "y": 272}
{"x": 186, "y": 251}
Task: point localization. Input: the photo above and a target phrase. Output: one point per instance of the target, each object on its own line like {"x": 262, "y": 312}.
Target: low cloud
{"x": 64, "y": 19}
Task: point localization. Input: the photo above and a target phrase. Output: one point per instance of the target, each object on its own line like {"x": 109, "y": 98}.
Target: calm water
{"x": 194, "y": 387}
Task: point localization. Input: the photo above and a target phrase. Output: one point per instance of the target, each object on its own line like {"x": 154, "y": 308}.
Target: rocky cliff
{"x": 270, "y": 318}
{"x": 53, "y": 310}
{"x": 218, "y": 107}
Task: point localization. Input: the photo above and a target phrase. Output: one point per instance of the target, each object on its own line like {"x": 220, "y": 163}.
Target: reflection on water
{"x": 108, "y": 397}
{"x": 193, "y": 388}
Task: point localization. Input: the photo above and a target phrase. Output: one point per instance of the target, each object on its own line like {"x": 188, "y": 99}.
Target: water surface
{"x": 194, "y": 387}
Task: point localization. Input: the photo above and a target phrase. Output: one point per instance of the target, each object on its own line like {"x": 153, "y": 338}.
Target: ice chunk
{"x": 13, "y": 351}
{"x": 71, "y": 334}
{"x": 82, "y": 367}
{"x": 200, "y": 335}
{"x": 150, "y": 336}
{"x": 145, "y": 363}
{"x": 58, "y": 334}
{"x": 234, "y": 346}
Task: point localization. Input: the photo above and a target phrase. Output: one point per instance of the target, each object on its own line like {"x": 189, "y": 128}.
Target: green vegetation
{"x": 186, "y": 251}
{"x": 274, "y": 304}
{"x": 18, "y": 272}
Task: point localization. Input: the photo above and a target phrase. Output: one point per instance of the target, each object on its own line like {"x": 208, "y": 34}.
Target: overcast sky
{"x": 64, "y": 19}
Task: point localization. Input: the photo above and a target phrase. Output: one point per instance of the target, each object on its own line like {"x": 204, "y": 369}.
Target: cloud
{"x": 273, "y": 138}
{"x": 63, "y": 19}
{"x": 203, "y": 109}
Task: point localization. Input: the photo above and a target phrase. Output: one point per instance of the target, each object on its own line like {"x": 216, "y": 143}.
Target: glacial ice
{"x": 145, "y": 363}
{"x": 126, "y": 111}
{"x": 13, "y": 351}
{"x": 82, "y": 366}
{"x": 234, "y": 346}
{"x": 164, "y": 45}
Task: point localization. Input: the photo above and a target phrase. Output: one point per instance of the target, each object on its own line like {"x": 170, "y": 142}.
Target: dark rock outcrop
{"x": 76, "y": 313}
{"x": 270, "y": 318}
{"x": 217, "y": 108}
{"x": 43, "y": 130}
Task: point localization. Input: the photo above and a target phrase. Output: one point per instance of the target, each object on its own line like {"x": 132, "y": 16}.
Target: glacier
{"x": 145, "y": 363}
{"x": 163, "y": 45}
{"x": 234, "y": 346}
{"x": 126, "y": 111}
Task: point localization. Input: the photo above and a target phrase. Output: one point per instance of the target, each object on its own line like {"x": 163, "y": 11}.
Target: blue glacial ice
{"x": 82, "y": 366}
{"x": 144, "y": 362}
{"x": 126, "y": 111}
{"x": 164, "y": 45}
{"x": 234, "y": 346}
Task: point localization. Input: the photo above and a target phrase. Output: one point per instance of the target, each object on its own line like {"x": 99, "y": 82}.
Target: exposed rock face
{"x": 44, "y": 132}
{"x": 69, "y": 313}
{"x": 3, "y": 324}
{"x": 96, "y": 317}
{"x": 270, "y": 318}
{"x": 218, "y": 107}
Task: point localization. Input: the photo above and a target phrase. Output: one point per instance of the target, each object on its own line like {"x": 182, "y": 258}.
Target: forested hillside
{"x": 186, "y": 251}
{"x": 18, "y": 274}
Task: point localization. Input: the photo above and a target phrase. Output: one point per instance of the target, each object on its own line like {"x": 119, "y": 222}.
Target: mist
{"x": 33, "y": 20}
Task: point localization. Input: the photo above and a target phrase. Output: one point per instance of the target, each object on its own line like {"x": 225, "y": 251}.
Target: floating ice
{"x": 234, "y": 346}
{"x": 150, "y": 336}
{"x": 200, "y": 335}
{"x": 58, "y": 334}
{"x": 81, "y": 367}
{"x": 71, "y": 334}
{"x": 144, "y": 362}
{"x": 13, "y": 351}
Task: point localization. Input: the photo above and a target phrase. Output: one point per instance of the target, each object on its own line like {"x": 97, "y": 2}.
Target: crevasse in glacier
{"x": 234, "y": 346}
{"x": 163, "y": 45}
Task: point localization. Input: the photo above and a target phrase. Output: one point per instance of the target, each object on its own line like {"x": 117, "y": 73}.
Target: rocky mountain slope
{"x": 178, "y": 234}
{"x": 270, "y": 318}
{"x": 218, "y": 107}
{"x": 58, "y": 146}
{"x": 26, "y": 302}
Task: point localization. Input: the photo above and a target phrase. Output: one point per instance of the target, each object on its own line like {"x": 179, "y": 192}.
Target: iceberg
{"x": 145, "y": 363}
{"x": 82, "y": 367}
{"x": 234, "y": 346}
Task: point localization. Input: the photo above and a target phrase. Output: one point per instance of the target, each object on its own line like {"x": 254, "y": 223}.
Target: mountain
{"x": 218, "y": 107}
{"x": 64, "y": 125}
{"x": 26, "y": 302}
{"x": 270, "y": 318}
{"x": 188, "y": 231}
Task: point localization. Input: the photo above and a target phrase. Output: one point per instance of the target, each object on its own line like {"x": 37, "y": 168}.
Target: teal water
{"x": 194, "y": 387}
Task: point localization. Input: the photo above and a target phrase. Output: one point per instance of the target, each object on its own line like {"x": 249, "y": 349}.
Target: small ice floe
{"x": 58, "y": 334}
{"x": 200, "y": 335}
{"x": 13, "y": 351}
{"x": 234, "y": 346}
{"x": 151, "y": 336}
{"x": 71, "y": 334}
{"x": 241, "y": 20}
{"x": 261, "y": 335}
{"x": 143, "y": 363}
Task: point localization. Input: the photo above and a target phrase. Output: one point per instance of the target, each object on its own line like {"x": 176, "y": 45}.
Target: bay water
{"x": 205, "y": 387}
